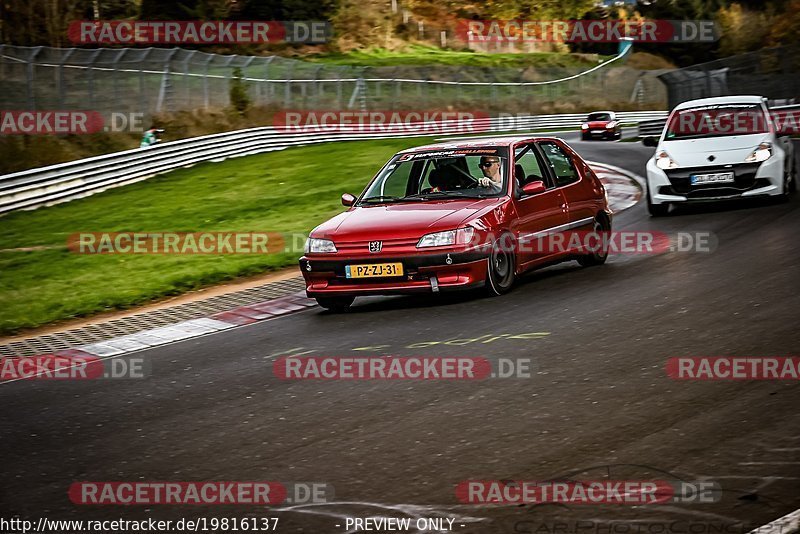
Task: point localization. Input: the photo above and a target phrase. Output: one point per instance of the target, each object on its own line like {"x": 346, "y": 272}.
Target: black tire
{"x": 585, "y": 137}
{"x": 789, "y": 183}
{"x": 598, "y": 257}
{"x": 335, "y": 304}
{"x": 501, "y": 265}
{"x": 656, "y": 210}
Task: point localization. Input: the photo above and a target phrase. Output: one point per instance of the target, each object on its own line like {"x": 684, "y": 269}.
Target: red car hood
{"x": 401, "y": 221}
{"x": 598, "y": 124}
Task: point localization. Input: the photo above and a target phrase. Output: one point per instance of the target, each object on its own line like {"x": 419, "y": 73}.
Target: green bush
{"x": 240, "y": 101}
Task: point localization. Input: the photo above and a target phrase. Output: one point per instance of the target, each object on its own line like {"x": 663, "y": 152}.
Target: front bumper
{"x": 599, "y": 134}
{"x": 751, "y": 180}
{"x": 422, "y": 273}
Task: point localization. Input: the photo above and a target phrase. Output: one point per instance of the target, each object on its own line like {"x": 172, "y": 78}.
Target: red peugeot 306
{"x": 456, "y": 216}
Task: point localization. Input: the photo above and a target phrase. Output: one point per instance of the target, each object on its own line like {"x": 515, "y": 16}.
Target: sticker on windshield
{"x": 450, "y": 153}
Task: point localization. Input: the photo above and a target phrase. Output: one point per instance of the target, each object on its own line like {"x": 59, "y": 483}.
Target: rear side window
{"x": 561, "y": 164}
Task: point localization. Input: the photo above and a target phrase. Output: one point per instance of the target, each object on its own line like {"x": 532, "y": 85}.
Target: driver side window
{"x": 560, "y": 162}
{"x": 531, "y": 167}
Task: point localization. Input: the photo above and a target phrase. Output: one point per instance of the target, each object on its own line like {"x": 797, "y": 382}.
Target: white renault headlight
{"x": 450, "y": 237}
{"x": 663, "y": 161}
{"x": 762, "y": 153}
{"x": 585, "y": 126}
{"x": 319, "y": 245}
{"x": 611, "y": 125}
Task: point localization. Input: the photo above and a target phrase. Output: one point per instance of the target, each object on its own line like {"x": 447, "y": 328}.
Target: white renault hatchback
{"x": 718, "y": 149}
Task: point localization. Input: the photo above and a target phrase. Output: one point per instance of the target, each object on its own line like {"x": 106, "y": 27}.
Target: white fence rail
{"x": 76, "y": 179}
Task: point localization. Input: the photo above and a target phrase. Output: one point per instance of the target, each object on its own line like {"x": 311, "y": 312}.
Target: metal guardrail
{"x": 654, "y": 128}
{"x": 77, "y": 179}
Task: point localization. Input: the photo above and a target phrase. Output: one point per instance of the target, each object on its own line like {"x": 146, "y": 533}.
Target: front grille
{"x": 744, "y": 180}
{"x": 387, "y": 246}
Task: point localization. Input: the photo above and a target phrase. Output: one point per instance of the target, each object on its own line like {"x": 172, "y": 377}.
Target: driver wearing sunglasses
{"x": 490, "y": 167}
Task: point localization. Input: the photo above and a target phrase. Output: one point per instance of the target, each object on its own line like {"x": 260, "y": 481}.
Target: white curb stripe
{"x": 782, "y": 525}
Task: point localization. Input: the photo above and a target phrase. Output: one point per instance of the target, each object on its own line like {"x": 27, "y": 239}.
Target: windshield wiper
{"x": 380, "y": 198}
{"x": 443, "y": 194}
{"x": 385, "y": 198}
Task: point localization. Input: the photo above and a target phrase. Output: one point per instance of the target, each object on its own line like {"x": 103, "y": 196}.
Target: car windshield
{"x": 457, "y": 173}
{"x": 716, "y": 121}
{"x": 599, "y": 117}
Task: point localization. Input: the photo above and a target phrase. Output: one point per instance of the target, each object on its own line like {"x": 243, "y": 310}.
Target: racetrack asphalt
{"x": 598, "y": 403}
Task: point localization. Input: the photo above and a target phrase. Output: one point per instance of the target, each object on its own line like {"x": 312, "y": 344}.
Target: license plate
{"x": 374, "y": 270}
{"x": 715, "y": 178}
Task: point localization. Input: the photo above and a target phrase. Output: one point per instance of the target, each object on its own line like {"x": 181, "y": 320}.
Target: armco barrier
{"x": 76, "y": 179}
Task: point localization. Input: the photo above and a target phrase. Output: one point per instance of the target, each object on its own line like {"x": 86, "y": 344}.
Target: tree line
{"x": 746, "y": 24}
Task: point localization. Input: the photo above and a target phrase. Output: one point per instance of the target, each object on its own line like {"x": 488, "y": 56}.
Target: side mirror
{"x": 650, "y": 141}
{"x": 533, "y": 188}
{"x": 348, "y": 199}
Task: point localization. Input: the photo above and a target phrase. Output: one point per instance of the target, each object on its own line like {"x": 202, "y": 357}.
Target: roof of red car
{"x": 477, "y": 142}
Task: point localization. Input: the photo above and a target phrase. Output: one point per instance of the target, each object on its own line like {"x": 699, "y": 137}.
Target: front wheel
{"x": 656, "y": 210}
{"x": 500, "y": 274}
{"x": 601, "y": 229}
{"x": 335, "y": 304}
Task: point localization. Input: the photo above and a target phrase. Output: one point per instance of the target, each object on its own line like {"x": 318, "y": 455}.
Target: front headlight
{"x": 585, "y": 126}
{"x": 319, "y": 245}
{"x": 663, "y": 161}
{"x": 762, "y": 153}
{"x": 461, "y": 236}
{"x": 611, "y": 125}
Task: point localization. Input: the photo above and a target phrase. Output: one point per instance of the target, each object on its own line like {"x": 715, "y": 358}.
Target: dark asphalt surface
{"x": 598, "y": 404}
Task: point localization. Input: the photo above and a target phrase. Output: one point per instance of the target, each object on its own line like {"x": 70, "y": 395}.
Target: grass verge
{"x": 429, "y": 55}
{"x": 287, "y": 191}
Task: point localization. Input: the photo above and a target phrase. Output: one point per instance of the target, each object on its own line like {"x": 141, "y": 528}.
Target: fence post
{"x": 316, "y": 87}
{"x": 90, "y": 72}
{"x": 205, "y": 82}
{"x": 267, "y": 83}
{"x": 339, "y": 88}
{"x": 287, "y": 96}
{"x": 117, "y": 61}
{"x": 187, "y": 94}
{"x": 60, "y": 82}
{"x": 30, "y": 78}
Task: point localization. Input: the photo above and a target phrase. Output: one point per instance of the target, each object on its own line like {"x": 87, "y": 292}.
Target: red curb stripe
{"x": 233, "y": 318}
